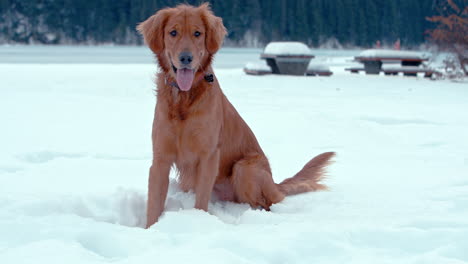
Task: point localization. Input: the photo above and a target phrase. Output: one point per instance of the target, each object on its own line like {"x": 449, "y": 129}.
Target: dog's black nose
{"x": 185, "y": 58}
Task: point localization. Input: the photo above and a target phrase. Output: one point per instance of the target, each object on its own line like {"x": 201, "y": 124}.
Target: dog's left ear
{"x": 215, "y": 30}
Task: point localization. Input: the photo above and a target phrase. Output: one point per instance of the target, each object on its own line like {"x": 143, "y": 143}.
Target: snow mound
{"x": 287, "y": 48}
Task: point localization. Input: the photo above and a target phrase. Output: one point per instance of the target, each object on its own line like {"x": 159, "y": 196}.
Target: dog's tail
{"x": 307, "y": 179}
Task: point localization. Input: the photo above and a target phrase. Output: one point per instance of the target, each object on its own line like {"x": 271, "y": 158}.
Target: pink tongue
{"x": 184, "y": 79}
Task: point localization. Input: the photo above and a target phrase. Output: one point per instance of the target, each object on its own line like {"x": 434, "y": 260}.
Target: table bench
{"x": 256, "y": 71}
{"x": 318, "y": 70}
{"x": 408, "y": 71}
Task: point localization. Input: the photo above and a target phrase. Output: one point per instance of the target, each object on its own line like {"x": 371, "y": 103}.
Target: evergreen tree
{"x": 353, "y": 22}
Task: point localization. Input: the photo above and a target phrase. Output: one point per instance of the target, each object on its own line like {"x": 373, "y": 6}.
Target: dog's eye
{"x": 173, "y": 33}
{"x": 197, "y": 34}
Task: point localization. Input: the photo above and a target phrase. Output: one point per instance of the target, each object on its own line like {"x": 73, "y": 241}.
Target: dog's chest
{"x": 194, "y": 123}
{"x": 192, "y": 136}
{"x": 179, "y": 111}
{"x": 180, "y": 105}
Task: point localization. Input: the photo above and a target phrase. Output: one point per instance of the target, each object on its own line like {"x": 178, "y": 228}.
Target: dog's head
{"x": 184, "y": 39}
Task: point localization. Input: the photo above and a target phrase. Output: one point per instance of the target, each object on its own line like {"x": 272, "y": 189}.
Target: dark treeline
{"x": 249, "y": 22}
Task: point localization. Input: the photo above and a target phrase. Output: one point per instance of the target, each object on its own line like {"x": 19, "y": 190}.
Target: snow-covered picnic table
{"x": 287, "y": 57}
{"x": 291, "y": 58}
{"x": 374, "y": 58}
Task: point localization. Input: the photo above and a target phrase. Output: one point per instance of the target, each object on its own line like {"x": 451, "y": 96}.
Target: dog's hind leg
{"x": 253, "y": 184}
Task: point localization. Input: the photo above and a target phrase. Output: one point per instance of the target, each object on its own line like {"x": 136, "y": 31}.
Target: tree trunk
{"x": 463, "y": 63}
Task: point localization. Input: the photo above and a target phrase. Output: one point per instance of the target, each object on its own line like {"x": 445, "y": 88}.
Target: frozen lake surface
{"x": 75, "y": 150}
{"x": 226, "y": 58}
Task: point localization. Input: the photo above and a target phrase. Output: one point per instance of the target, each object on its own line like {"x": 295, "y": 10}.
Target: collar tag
{"x": 209, "y": 78}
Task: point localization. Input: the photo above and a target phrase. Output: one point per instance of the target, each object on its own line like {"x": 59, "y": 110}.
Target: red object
{"x": 396, "y": 45}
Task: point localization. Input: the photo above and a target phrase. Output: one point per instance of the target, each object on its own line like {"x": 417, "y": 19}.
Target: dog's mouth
{"x": 184, "y": 77}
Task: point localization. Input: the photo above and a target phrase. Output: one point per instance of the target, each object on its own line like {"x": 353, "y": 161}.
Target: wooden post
{"x": 274, "y": 67}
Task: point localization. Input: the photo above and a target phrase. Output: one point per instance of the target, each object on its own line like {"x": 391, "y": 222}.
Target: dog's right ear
{"x": 152, "y": 30}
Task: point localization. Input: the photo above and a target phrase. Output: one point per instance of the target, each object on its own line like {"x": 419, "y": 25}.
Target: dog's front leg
{"x": 207, "y": 173}
{"x": 157, "y": 190}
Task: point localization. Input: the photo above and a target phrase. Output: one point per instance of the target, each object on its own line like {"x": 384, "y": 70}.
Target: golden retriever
{"x": 198, "y": 130}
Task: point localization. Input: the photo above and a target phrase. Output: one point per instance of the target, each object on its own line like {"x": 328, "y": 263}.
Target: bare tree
{"x": 451, "y": 33}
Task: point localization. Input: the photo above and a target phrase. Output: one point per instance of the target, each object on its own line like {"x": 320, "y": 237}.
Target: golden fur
{"x": 199, "y": 131}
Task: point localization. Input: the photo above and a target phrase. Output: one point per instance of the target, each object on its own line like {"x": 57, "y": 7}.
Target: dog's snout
{"x": 185, "y": 58}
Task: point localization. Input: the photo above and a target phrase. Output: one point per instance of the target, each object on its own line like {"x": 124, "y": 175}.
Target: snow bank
{"x": 381, "y": 53}
{"x": 287, "y": 48}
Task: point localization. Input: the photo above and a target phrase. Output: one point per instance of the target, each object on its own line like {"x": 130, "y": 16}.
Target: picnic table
{"x": 290, "y": 57}
{"x": 374, "y": 58}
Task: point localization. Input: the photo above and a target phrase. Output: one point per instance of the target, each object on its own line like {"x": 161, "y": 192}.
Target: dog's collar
{"x": 209, "y": 77}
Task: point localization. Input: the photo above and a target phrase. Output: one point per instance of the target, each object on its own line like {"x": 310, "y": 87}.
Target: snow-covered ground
{"x": 75, "y": 151}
